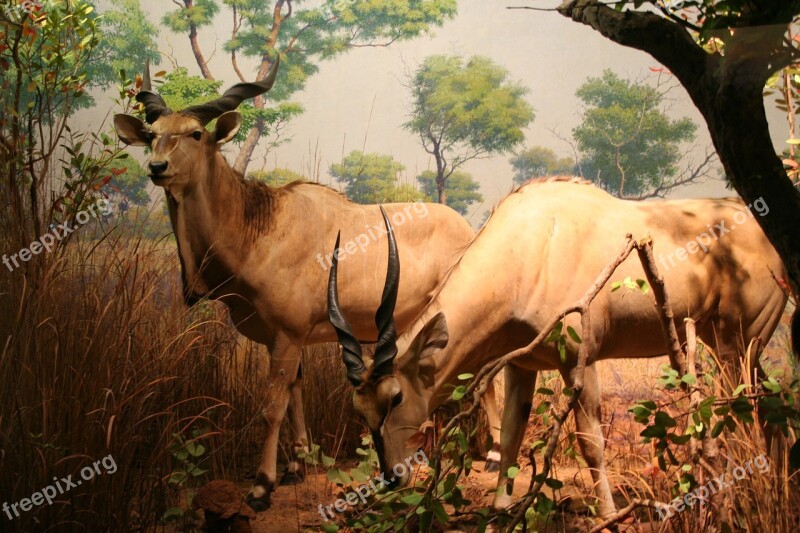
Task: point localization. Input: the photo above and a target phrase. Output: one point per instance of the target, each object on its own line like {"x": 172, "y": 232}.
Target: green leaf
{"x": 663, "y": 419}
{"x": 556, "y": 333}
{"x": 512, "y": 472}
{"x": 658, "y": 432}
{"x": 178, "y": 477}
{"x": 465, "y": 377}
{"x": 412, "y": 498}
{"x": 772, "y": 385}
{"x": 553, "y": 483}
{"x": 738, "y": 390}
{"x": 718, "y": 428}
{"x": 171, "y": 514}
{"x": 459, "y": 392}
{"x": 643, "y": 286}
{"x": 573, "y": 335}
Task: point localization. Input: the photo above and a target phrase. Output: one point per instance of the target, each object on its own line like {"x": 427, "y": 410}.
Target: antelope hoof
{"x": 492, "y": 460}
{"x": 258, "y": 497}
{"x": 293, "y": 475}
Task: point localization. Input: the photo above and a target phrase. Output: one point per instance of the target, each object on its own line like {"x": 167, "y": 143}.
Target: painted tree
{"x": 127, "y": 39}
{"x": 539, "y": 161}
{"x": 461, "y": 189}
{"x": 51, "y": 55}
{"x": 303, "y": 37}
{"x": 464, "y": 110}
{"x": 276, "y": 177}
{"x": 371, "y": 178}
{"x": 723, "y": 53}
{"x": 627, "y": 143}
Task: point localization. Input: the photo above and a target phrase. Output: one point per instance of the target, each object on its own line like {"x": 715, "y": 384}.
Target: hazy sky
{"x": 358, "y": 100}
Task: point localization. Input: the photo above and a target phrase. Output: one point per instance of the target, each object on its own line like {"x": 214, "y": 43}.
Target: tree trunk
{"x": 255, "y": 133}
{"x": 441, "y": 166}
{"x": 195, "y": 45}
{"x": 440, "y": 189}
{"x": 728, "y": 91}
{"x": 249, "y": 146}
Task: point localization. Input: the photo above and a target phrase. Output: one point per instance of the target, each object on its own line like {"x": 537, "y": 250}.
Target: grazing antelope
{"x": 538, "y": 253}
{"x": 259, "y": 250}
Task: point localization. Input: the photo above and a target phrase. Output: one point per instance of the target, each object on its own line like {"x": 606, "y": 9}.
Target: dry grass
{"x": 100, "y": 356}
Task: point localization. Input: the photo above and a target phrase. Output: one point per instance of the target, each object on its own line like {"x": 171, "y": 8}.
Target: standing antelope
{"x": 257, "y": 249}
{"x": 537, "y": 254}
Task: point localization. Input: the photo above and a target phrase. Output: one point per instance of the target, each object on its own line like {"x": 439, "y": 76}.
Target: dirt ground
{"x": 296, "y": 508}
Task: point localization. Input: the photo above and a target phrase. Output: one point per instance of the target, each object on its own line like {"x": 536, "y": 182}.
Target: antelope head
{"x": 391, "y": 394}
{"x": 182, "y": 148}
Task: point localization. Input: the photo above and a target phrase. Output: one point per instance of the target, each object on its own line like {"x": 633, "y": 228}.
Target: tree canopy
{"x": 303, "y": 36}
{"x": 461, "y": 188}
{"x": 465, "y": 109}
{"x": 627, "y": 143}
{"x": 539, "y": 161}
{"x": 371, "y": 178}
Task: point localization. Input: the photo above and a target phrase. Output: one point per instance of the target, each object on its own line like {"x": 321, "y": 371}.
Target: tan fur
{"x": 541, "y": 250}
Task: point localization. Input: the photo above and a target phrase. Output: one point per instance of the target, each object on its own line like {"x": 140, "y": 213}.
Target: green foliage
{"x": 628, "y": 283}
{"x": 712, "y": 416}
{"x": 127, "y": 40}
{"x": 189, "y": 454}
{"x": 314, "y": 34}
{"x": 277, "y": 177}
{"x": 539, "y": 161}
{"x": 373, "y": 178}
{"x": 200, "y": 13}
{"x": 466, "y": 109}
{"x": 45, "y": 60}
{"x": 628, "y": 145}
{"x": 462, "y": 189}
{"x": 181, "y": 90}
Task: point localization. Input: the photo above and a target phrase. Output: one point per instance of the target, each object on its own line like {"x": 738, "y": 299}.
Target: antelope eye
{"x": 197, "y": 135}
{"x": 397, "y": 400}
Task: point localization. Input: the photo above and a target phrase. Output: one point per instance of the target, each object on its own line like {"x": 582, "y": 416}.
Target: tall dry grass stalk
{"x": 99, "y": 356}
{"x": 759, "y": 501}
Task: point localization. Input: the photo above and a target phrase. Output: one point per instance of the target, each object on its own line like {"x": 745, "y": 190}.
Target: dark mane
{"x": 258, "y": 200}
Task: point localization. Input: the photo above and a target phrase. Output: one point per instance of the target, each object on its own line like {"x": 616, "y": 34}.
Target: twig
{"x": 627, "y": 510}
{"x": 656, "y": 281}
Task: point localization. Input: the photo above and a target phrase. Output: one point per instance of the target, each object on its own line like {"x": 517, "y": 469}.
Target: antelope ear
{"x": 131, "y": 130}
{"x": 228, "y": 125}
{"x": 432, "y": 338}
